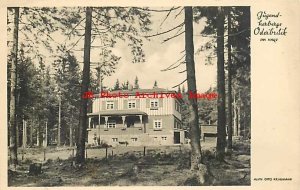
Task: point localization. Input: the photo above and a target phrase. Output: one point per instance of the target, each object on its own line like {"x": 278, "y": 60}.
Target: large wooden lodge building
{"x": 136, "y": 121}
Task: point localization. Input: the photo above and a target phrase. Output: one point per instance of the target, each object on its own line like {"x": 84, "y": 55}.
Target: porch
{"x": 117, "y": 119}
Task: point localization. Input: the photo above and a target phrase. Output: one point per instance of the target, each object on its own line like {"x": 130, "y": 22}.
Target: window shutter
{"x": 147, "y": 103}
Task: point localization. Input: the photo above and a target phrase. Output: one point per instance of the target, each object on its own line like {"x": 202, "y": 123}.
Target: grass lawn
{"x": 161, "y": 168}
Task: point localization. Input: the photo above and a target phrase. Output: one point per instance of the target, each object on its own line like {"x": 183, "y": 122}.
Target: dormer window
{"x": 154, "y": 104}
{"x": 110, "y": 105}
{"x": 131, "y": 104}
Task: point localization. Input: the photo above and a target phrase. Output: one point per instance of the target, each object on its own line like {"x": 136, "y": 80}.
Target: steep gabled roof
{"x": 151, "y": 90}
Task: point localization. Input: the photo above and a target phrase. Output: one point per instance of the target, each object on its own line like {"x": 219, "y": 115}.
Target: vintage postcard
{"x": 150, "y": 94}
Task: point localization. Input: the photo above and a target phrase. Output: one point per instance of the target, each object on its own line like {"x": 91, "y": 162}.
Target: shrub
{"x": 183, "y": 162}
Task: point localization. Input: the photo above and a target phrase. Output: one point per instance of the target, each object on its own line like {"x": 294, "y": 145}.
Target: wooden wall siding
{"x": 174, "y": 111}
{"x": 160, "y": 102}
{"x": 125, "y": 104}
{"x": 96, "y": 105}
{"x": 103, "y": 105}
{"x": 166, "y": 105}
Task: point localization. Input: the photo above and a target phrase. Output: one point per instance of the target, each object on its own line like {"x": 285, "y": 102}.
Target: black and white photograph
{"x": 128, "y": 96}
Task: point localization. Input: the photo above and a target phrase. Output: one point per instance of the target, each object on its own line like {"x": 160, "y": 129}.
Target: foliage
{"x": 67, "y": 80}
{"x": 117, "y": 85}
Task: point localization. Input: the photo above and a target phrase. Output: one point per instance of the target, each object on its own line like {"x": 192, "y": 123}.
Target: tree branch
{"x": 166, "y": 17}
{"x": 75, "y": 43}
{"x": 174, "y": 63}
{"x": 174, "y": 66}
{"x": 179, "y": 13}
{"x": 153, "y": 10}
{"x": 100, "y": 33}
{"x": 173, "y": 37}
{"x": 164, "y": 31}
{"x": 180, "y": 83}
{"x": 75, "y": 27}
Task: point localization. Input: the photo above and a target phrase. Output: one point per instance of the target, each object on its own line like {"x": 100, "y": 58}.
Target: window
{"x": 177, "y": 124}
{"x": 164, "y": 138}
{"x": 131, "y": 104}
{"x": 157, "y": 124}
{"x": 111, "y": 124}
{"x": 109, "y": 105}
{"x": 134, "y": 139}
{"x": 177, "y": 106}
{"x": 154, "y": 104}
{"x": 114, "y": 139}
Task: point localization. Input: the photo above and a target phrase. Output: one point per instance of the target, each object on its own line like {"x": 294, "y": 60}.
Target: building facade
{"x": 136, "y": 118}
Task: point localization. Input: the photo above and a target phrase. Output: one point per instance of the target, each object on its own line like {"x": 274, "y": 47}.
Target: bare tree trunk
{"x": 38, "y": 135}
{"x": 31, "y": 133}
{"x": 71, "y": 132}
{"x": 17, "y": 131}
{"x": 239, "y": 116}
{"x": 59, "y": 122}
{"x": 235, "y": 117}
{"x": 46, "y": 135}
{"x": 221, "y": 136}
{"x": 80, "y": 156}
{"x": 191, "y": 81}
{"x": 13, "y": 84}
{"x": 24, "y": 137}
{"x": 229, "y": 143}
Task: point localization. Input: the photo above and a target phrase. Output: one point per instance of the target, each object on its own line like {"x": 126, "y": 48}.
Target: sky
{"x": 158, "y": 57}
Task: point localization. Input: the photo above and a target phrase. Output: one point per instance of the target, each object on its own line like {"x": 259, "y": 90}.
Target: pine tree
{"x": 80, "y": 153}
{"x": 229, "y": 81}
{"x": 117, "y": 85}
{"x": 155, "y": 84}
{"x": 179, "y": 89}
{"x": 127, "y": 85}
{"x": 238, "y": 62}
{"x": 136, "y": 83}
{"x": 128, "y": 29}
{"x": 191, "y": 81}
{"x": 221, "y": 135}
{"x": 183, "y": 89}
{"x": 13, "y": 83}
{"x": 68, "y": 79}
